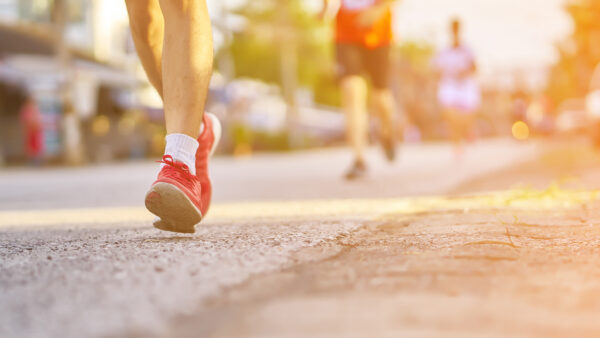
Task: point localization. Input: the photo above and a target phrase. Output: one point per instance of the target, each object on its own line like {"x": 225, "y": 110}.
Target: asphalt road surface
{"x": 79, "y": 258}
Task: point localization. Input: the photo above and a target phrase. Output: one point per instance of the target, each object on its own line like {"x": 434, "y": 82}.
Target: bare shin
{"x": 186, "y": 64}
{"x": 354, "y": 92}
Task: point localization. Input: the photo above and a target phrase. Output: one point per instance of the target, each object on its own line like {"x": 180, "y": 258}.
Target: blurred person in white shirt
{"x": 458, "y": 94}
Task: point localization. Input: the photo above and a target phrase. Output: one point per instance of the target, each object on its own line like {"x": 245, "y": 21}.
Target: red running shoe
{"x": 175, "y": 196}
{"x": 208, "y": 142}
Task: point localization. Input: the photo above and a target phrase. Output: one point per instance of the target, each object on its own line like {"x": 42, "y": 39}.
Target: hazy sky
{"x": 504, "y": 34}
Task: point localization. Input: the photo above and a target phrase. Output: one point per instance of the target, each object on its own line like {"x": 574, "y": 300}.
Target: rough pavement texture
{"x": 447, "y": 273}
{"x": 520, "y": 264}
{"x": 83, "y": 283}
{"x": 505, "y": 263}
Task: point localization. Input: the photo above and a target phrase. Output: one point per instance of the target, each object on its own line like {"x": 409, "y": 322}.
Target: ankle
{"x": 182, "y": 148}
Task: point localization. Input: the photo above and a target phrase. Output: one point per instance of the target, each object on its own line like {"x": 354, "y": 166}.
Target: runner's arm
{"x": 326, "y": 9}
{"x": 473, "y": 69}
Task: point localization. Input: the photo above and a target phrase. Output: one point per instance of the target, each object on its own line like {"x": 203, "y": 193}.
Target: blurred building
{"x": 96, "y": 26}
{"x": 103, "y": 72}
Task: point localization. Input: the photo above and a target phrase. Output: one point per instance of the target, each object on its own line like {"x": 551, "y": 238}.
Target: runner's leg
{"x": 147, "y": 28}
{"x": 377, "y": 64}
{"x": 354, "y": 97}
{"x": 384, "y": 104}
{"x": 456, "y": 127}
{"x": 174, "y": 41}
{"x": 186, "y": 64}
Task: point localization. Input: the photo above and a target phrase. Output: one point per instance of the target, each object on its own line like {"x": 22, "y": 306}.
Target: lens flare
{"x": 520, "y": 131}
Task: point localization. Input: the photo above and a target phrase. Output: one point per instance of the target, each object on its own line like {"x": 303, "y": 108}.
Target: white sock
{"x": 183, "y": 149}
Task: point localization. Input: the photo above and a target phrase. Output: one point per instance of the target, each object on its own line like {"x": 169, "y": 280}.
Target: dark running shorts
{"x": 354, "y": 59}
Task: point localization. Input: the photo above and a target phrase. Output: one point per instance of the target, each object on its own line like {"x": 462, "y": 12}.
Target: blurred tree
{"x": 579, "y": 54}
{"x": 275, "y": 26}
{"x": 417, "y": 53}
{"x": 415, "y": 85}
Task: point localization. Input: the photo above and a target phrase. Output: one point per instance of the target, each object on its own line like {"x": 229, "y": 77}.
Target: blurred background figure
{"x": 458, "y": 90}
{"x": 363, "y": 35}
{"x": 31, "y": 120}
{"x": 276, "y": 79}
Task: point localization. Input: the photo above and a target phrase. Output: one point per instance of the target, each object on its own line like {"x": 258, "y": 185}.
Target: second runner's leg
{"x": 354, "y": 104}
{"x": 377, "y": 64}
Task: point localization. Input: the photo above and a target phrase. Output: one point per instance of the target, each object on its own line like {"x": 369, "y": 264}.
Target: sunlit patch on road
{"x": 550, "y": 198}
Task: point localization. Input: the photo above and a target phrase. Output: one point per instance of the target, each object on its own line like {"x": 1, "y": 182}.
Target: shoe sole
{"x": 388, "y": 145}
{"x": 390, "y": 152}
{"x": 357, "y": 177}
{"x": 176, "y": 210}
{"x": 163, "y": 223}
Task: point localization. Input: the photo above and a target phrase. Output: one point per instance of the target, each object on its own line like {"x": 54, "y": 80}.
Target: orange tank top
{"x": 349, "y": 30}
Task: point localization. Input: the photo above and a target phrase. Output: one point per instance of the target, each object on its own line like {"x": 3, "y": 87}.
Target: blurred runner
{"x": 174, "y": 42}
{"x": 31, "y": 119}
{"x": 363, "y": 34}
{"x": 458, "y": 92}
